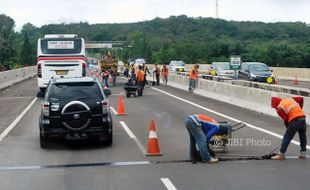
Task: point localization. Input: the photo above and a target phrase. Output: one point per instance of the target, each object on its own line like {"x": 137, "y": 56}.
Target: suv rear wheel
{"x": 44, "y": 143}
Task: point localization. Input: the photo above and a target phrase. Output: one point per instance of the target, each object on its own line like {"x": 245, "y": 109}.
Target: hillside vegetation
{"x": 194, "y": 40}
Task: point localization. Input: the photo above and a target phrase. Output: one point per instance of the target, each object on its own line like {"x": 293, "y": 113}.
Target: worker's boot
{"x": 302, "y": 155}
{"x": 279, "y": 156}
{"x": 213, "y": 160}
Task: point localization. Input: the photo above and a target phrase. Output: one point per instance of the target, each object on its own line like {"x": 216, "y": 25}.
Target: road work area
{"x": 85, "y": 165}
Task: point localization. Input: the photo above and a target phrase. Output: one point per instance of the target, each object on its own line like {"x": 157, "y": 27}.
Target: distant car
{"x": 121, "y": 66}
{"x": 140, "y": 61}
{"x": 131, "y": 63}
{"x": 221, "y": 69}
{"x": 75, "y": 109}
{"x": 177, "y": 66}
{"x": 255, "y": 71}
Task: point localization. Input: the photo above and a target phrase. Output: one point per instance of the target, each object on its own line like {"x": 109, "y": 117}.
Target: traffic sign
{"x": 235, "y": 62}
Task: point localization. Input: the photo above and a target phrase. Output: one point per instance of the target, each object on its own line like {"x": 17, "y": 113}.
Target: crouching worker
{"x": 290, "y": 110}
{"x": 201, "y": 129}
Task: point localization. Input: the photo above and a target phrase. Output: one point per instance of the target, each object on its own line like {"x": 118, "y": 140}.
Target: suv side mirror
{"x": 247, "y": 71}
{"x": 107, "y": 91}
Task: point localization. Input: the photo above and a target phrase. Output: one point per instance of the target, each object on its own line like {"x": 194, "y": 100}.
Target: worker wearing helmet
{"x": 201, "y": 129}
{"x": 290, "y": 110}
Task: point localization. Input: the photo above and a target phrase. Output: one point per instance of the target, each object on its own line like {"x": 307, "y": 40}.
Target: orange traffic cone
{"x": 121, "y": 109}
{"x": 97, "y": 75}
{"x": 295, "y": 82}
{"x": 153, "y": 145}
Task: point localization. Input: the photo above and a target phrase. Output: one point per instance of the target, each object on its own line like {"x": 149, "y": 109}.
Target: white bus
{"x": 60, "y": 56}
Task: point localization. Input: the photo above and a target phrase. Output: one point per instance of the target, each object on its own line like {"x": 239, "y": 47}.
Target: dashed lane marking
{"x": 113, "y": 110}
{"x": 228, "y": 117}
{"x": 132, "y": 136}
{"x": 128, "y": 131}
{"x": 15, "y": 122}
{"x": 168, "y": 184}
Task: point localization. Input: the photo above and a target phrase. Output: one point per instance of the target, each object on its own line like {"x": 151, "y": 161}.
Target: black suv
{"x": 75, "y": 109}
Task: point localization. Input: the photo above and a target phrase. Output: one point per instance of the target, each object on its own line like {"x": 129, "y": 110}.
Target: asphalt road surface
{"x": 82, "y": 165}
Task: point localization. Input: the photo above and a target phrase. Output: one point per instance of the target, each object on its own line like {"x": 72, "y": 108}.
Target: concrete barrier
{"x": 8, "y": 78}
{"x": 250, "y": 98}
{"x": 302, "y": 74}
{"x": 271, "y": 87}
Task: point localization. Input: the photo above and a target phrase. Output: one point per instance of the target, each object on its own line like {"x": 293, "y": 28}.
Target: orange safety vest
{"x": 165, "y": 72}
{"x": 193, "y": 74}
{"x": 291, "y": 109}
{"x": 207, "y": 119}
{"x": 140, "y": 76}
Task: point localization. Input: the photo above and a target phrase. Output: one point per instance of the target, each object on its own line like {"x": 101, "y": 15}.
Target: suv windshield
{"x": 77, "y": 90}
{"x": 258, "y": 67}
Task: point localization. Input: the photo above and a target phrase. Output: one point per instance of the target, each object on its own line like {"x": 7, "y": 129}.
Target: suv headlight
{"x": 252, "y": 75}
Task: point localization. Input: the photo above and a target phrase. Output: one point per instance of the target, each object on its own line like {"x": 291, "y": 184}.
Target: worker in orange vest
{"x": 290, "y": 110}
{"x": 140, "y": 80}
{"x": 193, "y": 77}
{"x": 157, "y": 74}
{"x": 201, "y": 129}
{"x": 164, "y": 74}
{"x": 105, "y": 76}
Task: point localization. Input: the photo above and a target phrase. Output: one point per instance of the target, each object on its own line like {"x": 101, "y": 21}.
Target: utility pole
{"x": 217, "y": 9}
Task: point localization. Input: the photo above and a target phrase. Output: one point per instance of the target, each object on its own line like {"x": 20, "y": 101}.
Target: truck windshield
{"x": 223, "y": 66}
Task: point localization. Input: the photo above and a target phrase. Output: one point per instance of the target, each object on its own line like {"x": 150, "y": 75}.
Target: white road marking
{"x": 168, "y": 184}
{"x": 113, "y": 110}
{"x": 228, "y": 117}
{"x": 15, "y": 122}
{"x": 128, "y": 131}
{"x": 132, "y": 136}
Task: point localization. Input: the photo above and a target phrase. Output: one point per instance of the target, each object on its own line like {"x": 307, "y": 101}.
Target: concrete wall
{"x": 8, "y": 78}
{"x": 290, "y": 73}
{"x": 250, "y": 98}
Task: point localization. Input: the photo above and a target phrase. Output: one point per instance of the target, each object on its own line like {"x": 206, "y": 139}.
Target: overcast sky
{"x": 40, "y": 12}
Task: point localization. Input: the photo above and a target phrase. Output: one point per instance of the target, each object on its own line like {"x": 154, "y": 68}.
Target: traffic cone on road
{"x": 97, "y": 75}
{"x": 276, "y": 81}
{"x": 295, "y": 82}
{"x": 153, "y": 145}
{"x": 121, "y": 109}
